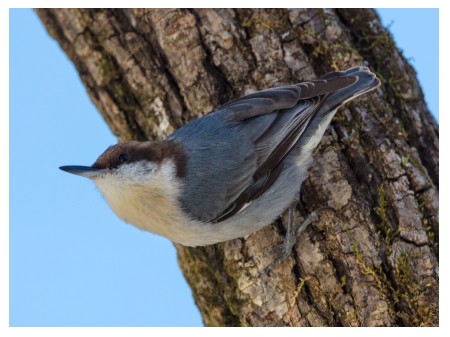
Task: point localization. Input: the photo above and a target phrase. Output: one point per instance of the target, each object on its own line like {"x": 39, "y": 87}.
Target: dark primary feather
{"x": 249, "y": 138}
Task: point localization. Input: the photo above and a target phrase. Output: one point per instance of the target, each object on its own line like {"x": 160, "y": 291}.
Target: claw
{"x": 292, "y": 234}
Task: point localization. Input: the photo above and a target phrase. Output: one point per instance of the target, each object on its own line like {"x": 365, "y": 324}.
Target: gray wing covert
{"x": 237, "y": 151}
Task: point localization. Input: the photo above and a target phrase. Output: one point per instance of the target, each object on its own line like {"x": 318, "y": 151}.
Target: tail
{"x": 366, "y": 82}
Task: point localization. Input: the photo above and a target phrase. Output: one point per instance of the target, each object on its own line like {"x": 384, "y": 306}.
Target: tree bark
{"x": 371, "y": 262}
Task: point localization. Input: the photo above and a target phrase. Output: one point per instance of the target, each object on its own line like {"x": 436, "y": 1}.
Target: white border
{"x": 4, "y": 122}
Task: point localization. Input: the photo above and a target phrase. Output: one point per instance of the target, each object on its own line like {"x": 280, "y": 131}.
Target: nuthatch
{"x": 230, "y": 172}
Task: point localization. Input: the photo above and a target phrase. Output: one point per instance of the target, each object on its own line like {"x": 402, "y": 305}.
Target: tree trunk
{"x": 371, "y": 262}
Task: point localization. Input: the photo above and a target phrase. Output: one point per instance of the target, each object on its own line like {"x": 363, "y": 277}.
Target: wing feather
{"x": 261, "y": 129}
{"x": 294, "y": 107}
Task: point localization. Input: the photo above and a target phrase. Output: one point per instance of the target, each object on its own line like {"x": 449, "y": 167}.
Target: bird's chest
{"x": 153, "y": 207}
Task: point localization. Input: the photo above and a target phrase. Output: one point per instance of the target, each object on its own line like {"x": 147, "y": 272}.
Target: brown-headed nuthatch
{"x": 231, "y": 172}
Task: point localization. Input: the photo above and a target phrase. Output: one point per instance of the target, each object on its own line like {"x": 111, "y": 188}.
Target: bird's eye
{"x": 123, "y": 158}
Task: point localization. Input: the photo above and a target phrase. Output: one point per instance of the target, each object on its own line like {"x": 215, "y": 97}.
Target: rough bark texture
{"x": 373, "y": 262}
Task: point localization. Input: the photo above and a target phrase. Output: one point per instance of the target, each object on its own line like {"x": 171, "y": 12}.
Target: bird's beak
{"x": 84, "y": 171}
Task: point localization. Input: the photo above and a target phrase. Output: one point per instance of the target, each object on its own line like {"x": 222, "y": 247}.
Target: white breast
{"x": 145, "y": 195}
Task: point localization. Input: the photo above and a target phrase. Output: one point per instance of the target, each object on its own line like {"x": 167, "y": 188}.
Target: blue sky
{"x": 72, "y": 262}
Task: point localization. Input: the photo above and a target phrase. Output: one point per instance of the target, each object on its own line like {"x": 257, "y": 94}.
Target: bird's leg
{"x": 293, "y": 233}
{"x": 289, "y": 239}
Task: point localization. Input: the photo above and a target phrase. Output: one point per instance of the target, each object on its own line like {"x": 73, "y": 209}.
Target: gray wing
{"x": 237, "y": 152}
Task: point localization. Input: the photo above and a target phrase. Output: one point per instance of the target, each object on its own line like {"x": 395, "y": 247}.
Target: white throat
{"x": 144, "y": 194}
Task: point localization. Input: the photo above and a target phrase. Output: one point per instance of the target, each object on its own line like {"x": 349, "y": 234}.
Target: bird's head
{"x": 131, "y": 163}
{"x": 139, "y": 180}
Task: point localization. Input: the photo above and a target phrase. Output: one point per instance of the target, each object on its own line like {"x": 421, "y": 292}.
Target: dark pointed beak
{"x": 84, "y": 171}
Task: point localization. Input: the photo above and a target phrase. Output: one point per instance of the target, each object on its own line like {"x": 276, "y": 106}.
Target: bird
{"x": 230, "y": 172}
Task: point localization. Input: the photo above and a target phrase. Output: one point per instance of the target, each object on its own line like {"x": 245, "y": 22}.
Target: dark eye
{"x": 123, "y": 158}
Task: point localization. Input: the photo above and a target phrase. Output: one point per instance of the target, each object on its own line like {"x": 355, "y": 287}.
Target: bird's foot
{"x": 292, "y": 233}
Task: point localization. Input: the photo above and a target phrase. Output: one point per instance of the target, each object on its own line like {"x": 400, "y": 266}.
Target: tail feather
{"x": 366, "y": 82}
